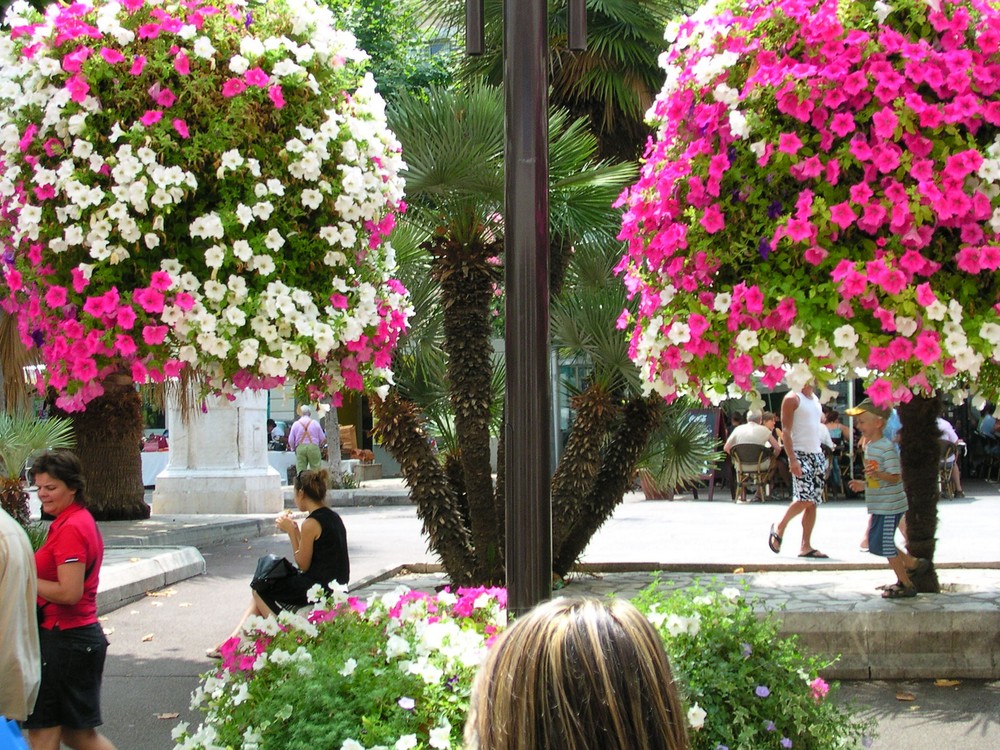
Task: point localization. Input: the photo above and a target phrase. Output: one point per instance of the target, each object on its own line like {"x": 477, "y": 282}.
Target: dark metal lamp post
{"x": 526, "y": 242}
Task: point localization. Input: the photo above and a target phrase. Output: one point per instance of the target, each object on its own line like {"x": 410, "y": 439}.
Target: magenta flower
{"x": 233, "y": 87}
{"x": 182, "y": 65}
{"x": 112, "y": 56}
{"x": 256, "y": 77}
{"x": 276, "y": 96}
{"x": 138, "y": 63}
{"x": 181, "y": 127}
{"x": 151, "y": 117}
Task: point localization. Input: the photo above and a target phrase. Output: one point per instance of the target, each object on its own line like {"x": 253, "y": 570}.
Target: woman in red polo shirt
{"x": 68, "y": 709}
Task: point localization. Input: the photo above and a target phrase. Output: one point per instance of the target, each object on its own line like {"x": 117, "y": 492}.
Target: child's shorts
{"x": 882, "y": 535}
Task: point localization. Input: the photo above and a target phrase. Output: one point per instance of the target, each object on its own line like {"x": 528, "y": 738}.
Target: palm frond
{"x": 22, "y": 436}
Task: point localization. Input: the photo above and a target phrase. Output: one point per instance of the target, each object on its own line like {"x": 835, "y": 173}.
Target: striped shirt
{"x": 886, "y": 498}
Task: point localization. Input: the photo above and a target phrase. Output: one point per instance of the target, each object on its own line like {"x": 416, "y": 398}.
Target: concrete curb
{"x": 128, "y": 573}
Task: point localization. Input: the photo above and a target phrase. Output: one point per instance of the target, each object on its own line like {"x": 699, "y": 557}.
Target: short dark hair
{"x": 64, "y": 466}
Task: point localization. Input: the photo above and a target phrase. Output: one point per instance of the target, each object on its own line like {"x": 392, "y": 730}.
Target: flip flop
{"x": 774, "y": 541}
{"x": 815, "y": 553}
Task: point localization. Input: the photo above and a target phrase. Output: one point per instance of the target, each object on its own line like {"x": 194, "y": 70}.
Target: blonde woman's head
{"x": 577, "y": 674}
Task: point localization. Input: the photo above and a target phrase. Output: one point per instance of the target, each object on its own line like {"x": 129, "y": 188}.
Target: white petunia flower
{"x": 696, "y": 716}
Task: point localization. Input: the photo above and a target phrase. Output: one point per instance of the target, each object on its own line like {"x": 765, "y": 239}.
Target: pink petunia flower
{"x": 181, "y": 127}
{"x": 713, "y": 219}
{"x": 151, "y": 117}
{"x": 789, "y": 143}
{"x": 138, "y": 63}
{"x": 256, "y": 77}
{"x": 233, "y": 87}
{"x": 112, "y": 56}
{"x": 278, "y": 98}
{"x": 182, "y": 65}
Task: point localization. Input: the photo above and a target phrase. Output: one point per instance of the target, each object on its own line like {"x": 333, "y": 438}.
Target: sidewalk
{"x": 833, "y": 605}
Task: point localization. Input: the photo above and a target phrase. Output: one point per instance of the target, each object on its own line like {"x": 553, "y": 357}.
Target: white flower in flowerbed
{"x": 197, "y": 185}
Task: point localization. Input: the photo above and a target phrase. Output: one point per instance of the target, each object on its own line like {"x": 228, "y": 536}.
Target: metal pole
{"x": 473, "y": 27}
{"x": 526, "y": 239}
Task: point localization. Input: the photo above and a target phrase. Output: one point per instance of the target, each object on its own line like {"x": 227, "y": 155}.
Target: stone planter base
{"x": 364, "y": 472}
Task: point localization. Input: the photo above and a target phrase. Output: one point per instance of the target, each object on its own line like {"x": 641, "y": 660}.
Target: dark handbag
{"x": 271, "y": 568}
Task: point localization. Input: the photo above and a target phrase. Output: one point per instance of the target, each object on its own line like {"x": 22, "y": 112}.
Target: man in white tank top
{"x": 801, "y": 422}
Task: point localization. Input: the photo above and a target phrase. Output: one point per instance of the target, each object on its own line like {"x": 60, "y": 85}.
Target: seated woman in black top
{"x": 319, "y": 547}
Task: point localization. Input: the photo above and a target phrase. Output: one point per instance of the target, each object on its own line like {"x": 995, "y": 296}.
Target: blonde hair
{"x": 577, "y": 674}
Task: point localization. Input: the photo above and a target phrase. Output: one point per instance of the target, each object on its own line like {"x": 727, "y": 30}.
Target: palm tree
{"x": 21, "y": 437}
{"x": 919, "y": 458}
{"x": 454, "y": 147}
{"x": 611, "y": 84}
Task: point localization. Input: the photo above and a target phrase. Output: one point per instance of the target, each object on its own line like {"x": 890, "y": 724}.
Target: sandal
{"x": 899, "y": 591}
{"x": 774, "y": 541}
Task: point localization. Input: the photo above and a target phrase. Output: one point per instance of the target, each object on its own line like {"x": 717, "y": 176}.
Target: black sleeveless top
{"x": 329, "y": 561}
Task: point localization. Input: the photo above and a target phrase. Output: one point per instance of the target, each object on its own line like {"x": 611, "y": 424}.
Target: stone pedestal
{"x": 218, "y": 460}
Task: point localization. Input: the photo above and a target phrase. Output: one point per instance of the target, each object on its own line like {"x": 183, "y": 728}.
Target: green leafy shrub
{"x": 747, "y": 687}
{"x": 394, "y": 673}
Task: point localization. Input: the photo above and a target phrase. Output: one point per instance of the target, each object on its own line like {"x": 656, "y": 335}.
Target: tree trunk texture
{"x": 581, "y": 459}
{"x": 467, "y": 278}
{"x": 399, "y": 428}
{"x": 639, "y": 417}
{"x": 108, "y": 437}
{"x": 919, "y": 458}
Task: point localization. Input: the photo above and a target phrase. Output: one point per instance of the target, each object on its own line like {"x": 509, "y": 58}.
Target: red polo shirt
{"x": 73, "y": 537}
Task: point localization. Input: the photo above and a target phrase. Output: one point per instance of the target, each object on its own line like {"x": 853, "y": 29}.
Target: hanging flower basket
{"x": 189, "y": 185}
{"x": 821, "y": 199}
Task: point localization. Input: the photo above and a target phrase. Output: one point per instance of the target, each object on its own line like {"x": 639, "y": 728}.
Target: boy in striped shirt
{"x": 885, "y": 498}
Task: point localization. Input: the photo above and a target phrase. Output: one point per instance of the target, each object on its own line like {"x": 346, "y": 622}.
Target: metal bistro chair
{"x": 752, "y": 463}
{"x": 949, "y": 454}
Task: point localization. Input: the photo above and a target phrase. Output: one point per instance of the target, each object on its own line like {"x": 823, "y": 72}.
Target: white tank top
{"x": 806, "y": 424}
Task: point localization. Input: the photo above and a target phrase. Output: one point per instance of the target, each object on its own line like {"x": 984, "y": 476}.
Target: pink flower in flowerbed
{"x": 151, "y": 216}
{"x": 853, "y": 150}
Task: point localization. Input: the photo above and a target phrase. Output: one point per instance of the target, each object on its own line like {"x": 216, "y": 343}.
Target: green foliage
{"x": 400, "y": 46}
{"x": 680, "y": 450}
{"x": 394, "y": 671}
{"x": 749, "y": 687}
{"x": 36, "y": 534}
{"x": 23, "y": 435}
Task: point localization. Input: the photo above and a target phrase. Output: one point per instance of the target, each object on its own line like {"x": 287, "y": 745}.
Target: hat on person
{"x": 868, "y": 406}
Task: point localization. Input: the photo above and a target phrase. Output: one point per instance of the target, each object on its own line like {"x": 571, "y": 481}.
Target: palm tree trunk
{"x": 398, "y": 427}
{"x": 919, "y": 457}
{"x": 638, "y": 420}
{"x": 467, "y": 276}
{"x": 581, "y": 459}
{"x": 108, "y": 437}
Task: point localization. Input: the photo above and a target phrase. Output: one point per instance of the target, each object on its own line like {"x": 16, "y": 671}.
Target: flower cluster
{"x": 822, "y": 199}
{"x": 184, "y": 183}
{"x": 392, "y": 672}
{"x": 745, "y": 685}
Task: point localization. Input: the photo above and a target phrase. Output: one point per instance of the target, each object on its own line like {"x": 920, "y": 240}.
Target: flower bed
{"x": 192, "y": 185}
{"x": 394, "y": 672}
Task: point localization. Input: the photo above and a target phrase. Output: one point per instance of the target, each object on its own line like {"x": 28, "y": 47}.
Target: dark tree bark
{"x": 108, "y": 437}
{"x": 581, "y": 458}
{"x": 467, "y": 277}
{"x": 399, "y": 428}
{"x": 919, "y": 457}
{"x": 638, "y": 420}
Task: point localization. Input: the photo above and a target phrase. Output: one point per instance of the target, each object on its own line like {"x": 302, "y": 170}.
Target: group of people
{"x": 882, "y": 484}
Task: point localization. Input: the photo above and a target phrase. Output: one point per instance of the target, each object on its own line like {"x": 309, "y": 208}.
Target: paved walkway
{"x": 833, "y": 605}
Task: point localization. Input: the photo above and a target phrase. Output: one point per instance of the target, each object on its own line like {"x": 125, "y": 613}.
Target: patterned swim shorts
{"x": 809, "y": 487}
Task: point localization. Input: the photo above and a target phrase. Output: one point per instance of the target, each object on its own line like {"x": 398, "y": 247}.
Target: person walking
{"x": 20, "y": 661}
{"x": 801, "y": 422}
{"x": 305, "y": 439}
{"x": 885, "y": 498}
{"x": 73, "y": 645}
